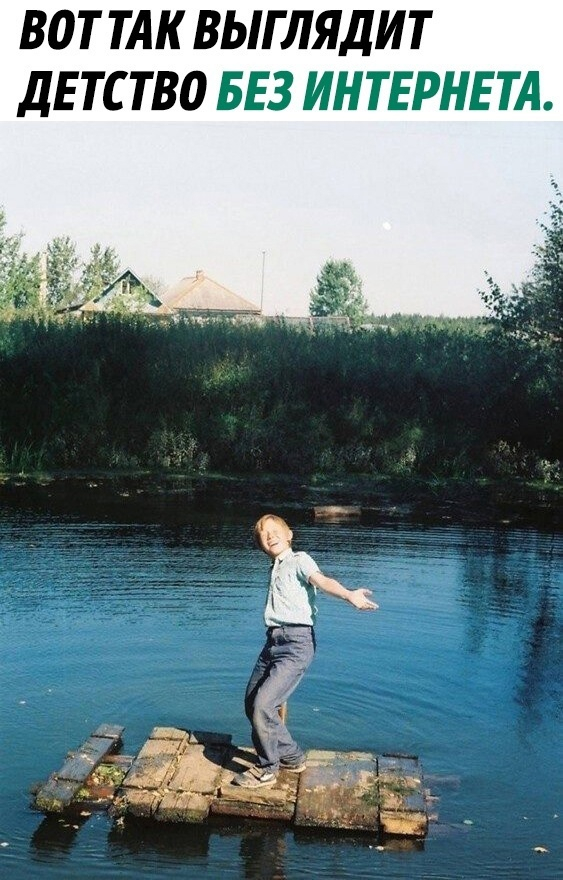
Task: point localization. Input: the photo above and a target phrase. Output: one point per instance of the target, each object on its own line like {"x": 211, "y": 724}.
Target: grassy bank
{"x": 425, "y": 400}
{"x": 169, "y": 496}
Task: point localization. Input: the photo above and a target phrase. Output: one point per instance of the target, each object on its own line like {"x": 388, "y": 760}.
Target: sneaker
{"x": 254, "y": 777}
{"x": 293, "y": 766}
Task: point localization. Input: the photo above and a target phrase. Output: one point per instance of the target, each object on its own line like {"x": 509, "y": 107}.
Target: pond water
{"x": 152, "y": 622}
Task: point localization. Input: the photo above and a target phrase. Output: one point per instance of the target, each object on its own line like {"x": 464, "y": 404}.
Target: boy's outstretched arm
{"x": 357, "y": 598}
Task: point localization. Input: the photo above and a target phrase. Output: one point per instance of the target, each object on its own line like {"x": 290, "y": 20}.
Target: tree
{"x": 101, "y": 268}
{"x": 338, "y": 291}
{"x": 26, "y": 281}
{"x": 19, "y": 273}
{"x": 62, "y": 263}
{"x": 154, "y": 283}
{"x": 534, "y": 309}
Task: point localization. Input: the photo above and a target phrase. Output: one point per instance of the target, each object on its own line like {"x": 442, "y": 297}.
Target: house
{"x": 126, "y": 293}
{"x": 199, "y": 296}
{"x": 196, "y": 297}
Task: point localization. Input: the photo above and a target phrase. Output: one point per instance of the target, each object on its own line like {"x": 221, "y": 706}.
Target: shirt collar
{"x": 282, "y": 556}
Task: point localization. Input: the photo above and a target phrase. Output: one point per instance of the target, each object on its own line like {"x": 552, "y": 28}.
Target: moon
{"x": 386, "y": 225}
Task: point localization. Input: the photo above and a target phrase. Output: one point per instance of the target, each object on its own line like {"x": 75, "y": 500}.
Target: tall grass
{"x": 418, "y": 398}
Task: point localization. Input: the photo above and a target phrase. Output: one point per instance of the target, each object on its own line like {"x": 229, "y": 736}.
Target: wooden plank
{"x": 123, "y": 761}
{"x": 402, "y": 804}
{"x": 282, "y": 811}
{"x": 55, "y": 795}
{"x": 409, "y": 824}
{"x": 400, "y": 781}
{"x": 238, "y": 759}
{"x": 336, "y": 512}
{"x": 199, "y": 769}
{"x": 61, "y": 787}
{"x": 275, "y": 802}
{"x": 338, "y": 790}
{"x": 183, "y": 807}
{"x": 80, "y": 764}
{"x": 155, "y": 763}
{"x": 399, "y": 764}
{"x": 277, "y": 794}
{"x": 323, "y": 756}
{"x": 140, "y": 803}
{"x": 115, "y": 731}
{"x": 174, "y": 733}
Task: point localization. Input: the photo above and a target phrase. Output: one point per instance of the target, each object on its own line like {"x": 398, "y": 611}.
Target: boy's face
{"x": 274, "y": 537}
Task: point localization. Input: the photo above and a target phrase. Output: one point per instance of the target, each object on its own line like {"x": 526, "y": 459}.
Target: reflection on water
{"x": 521, "y": 583}
{"x": 145, "y": 623}
{"x": 136, "y": 840}
{"x": 540, "y": 682}
{"x": 55, "y": 836}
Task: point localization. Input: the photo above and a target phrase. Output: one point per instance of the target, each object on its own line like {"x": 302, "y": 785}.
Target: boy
{"x": 290, "y": 646}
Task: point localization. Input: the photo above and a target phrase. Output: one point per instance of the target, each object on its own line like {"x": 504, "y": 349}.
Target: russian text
{"x": 326, "y": 30}
{"x": 167, "y": 91}
{"x": 401, "y": 90}
{"x": 254, "y": 92}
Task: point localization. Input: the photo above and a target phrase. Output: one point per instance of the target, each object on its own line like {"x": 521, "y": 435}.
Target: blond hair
{"x": 259, "y": 527}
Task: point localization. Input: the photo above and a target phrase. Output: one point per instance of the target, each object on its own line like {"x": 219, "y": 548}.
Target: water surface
{"x": 158, "y": 623}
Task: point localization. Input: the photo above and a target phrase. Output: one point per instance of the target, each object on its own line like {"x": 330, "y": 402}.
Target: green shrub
{"x": 441, "y": 398}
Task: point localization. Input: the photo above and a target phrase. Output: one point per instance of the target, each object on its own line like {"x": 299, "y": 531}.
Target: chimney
{"x": 199, "y": 275}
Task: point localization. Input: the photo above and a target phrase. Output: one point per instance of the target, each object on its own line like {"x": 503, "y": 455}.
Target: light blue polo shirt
{"x": 291, "y": 598}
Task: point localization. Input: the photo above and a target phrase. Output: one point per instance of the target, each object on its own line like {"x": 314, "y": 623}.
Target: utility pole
{"x": 262, "y": 288}
{"x": 43, "y": 279}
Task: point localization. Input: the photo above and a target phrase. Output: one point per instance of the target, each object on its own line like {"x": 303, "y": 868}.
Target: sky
{"x": 423, "y": 210}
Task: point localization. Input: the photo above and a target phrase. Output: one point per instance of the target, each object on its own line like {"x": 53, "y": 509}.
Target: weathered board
{"x": 402, "y": 809}
{"x": 274, "y": 802}
{"x": 198, "y": 769}
{"x": 80, "y": 764}
{"x": 173, "y": 733}
{"x": 60, "y": 789}
{"x": 338, "y": 790}
{"x": 183, "y": 806}
{"x": 154, "y": 764}
{"x": 137, "y": 802}
{"x": 336, "y": 512}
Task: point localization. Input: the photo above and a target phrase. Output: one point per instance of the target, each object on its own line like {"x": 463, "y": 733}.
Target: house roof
{"x": 97, "y": 303}
{"x": 198, "y": 293}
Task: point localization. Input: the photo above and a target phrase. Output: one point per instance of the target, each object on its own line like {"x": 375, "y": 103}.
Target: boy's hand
{"x": 359, "y": 599}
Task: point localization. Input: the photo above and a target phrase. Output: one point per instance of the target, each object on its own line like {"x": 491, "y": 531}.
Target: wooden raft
{"x": 186, "y": 776}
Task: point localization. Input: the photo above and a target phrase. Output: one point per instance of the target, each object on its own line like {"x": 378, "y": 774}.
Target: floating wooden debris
{"x": 62, "y": 787}
{"x": 335, "y": 512}
{"x": 187, "y": 776}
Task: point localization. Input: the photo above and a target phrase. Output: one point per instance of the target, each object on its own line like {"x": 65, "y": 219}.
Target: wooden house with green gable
{"x": 126, "y": 294}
